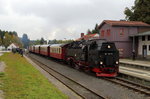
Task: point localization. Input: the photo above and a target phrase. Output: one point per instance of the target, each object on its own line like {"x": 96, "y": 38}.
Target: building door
{"x": 144, "y": 51}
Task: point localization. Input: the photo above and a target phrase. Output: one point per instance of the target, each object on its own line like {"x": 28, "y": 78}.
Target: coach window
{"x": 149, "y": 48}
{"x": 143, "y": 38}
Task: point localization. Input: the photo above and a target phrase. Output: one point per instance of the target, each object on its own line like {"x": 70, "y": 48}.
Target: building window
{"x": 102, "y": 33}
{"x": 108, "y": 32}
{"x": 149, "y": 48}
{"x": 121, "y": 31}
{"x": 149, "y": 38}
{"x": 143, "y": 38}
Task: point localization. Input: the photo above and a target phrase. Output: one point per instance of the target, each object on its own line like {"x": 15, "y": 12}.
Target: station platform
{"x": 135, "y": 62}
{"x": 142, "y": 74}
{"x": 135, "y": 68}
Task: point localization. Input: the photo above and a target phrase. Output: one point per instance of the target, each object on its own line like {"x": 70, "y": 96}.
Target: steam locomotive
{"x": 97, "y": 55}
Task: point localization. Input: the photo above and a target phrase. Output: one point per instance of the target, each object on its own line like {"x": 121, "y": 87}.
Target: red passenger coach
{"x": 45, "y": 50}
{"x": 37, "y": 49}
{"x": 31, "y": 48}
{"x": 58, "y": 51}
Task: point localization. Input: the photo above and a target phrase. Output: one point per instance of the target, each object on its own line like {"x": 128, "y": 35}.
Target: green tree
{"x": 1, "y": 41}
{"x": 95, "y": 30}
{"x": 7, "y": 40}
{"x": 42, "y": 41}
{"x": 25, "y": 40}
{"x": 139, "y": 12}
{"x": 89, "y": 31}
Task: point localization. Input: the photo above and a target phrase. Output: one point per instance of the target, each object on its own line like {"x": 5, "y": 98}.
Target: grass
{"x": 22, "y": 81}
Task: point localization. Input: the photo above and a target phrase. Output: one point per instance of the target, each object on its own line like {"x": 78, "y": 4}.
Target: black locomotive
{"x": 98, "y": 56}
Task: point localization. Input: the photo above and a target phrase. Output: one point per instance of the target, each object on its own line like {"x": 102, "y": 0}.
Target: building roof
{"x": 124, "y": 23}
{"x": 141, "y": 34}
{"x": 13, "y": 45}
{"x": 89, "y": 36}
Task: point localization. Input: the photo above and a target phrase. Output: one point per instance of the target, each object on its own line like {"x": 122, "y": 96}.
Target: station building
{"x": 143, "y": 44}
{"x": 128, "y": 36}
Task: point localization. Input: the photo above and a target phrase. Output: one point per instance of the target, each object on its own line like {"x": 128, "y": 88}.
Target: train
{"x": 98, "y": 55}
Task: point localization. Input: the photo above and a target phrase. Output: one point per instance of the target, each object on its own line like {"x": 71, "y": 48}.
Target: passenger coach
{"x": 31, "y": 48}
{"x": 58, "y": 51}
{"x": 37, "y": 49}
{"x": 45, "y": 50}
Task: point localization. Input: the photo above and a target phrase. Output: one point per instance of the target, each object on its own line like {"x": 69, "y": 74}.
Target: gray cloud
{"x": 58, "y": 19}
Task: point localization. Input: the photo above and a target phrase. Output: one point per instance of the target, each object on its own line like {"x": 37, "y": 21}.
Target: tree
{"x": 42, "y": 41}
{"x": 88, "y": 31}
{"x": 139, "y": 12}
{"x": 95, "y": 30}
{"x": 1, "y": 41}
{"x": 7, "y": 40}
{"x": 25, "y": 40}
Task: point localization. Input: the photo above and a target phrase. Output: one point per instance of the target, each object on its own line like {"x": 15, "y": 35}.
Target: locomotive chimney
{"x": 82, "y": 34}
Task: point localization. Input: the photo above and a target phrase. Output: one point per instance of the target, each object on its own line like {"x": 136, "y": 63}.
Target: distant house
{"x": 88, "y": 36}
{"x": 123, "y": 34}
{"x": 11, "y": 46}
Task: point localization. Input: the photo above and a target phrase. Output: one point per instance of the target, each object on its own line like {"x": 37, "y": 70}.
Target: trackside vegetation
{"x": 22, "y": 81}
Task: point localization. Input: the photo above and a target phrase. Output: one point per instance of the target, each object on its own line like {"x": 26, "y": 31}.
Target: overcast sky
{"x": 58, "y": 19}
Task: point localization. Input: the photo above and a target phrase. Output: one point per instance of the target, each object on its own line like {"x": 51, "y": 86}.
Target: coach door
{"x": 144, "y": 51}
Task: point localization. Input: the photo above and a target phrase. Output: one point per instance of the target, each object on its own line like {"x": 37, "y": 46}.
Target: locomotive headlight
{"x": 117, "y": 62}
{"x": 101, "y": 63}
{"x": 108, "y": 46}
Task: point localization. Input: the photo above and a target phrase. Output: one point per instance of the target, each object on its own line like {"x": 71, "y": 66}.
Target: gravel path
{"x": 108, "y": 89}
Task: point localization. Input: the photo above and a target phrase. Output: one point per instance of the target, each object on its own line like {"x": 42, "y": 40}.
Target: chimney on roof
{"x": 82, "y": 34}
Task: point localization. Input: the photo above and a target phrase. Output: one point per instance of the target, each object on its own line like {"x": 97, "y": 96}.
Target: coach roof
{"x": 45, "y": 45}
{"x": 57, "y": 45}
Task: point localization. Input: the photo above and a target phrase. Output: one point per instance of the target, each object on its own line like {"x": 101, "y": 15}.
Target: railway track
{"x": 90, "y": 94}
{"x": 131, "y": 85}
{"x": 79, "y": 89}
